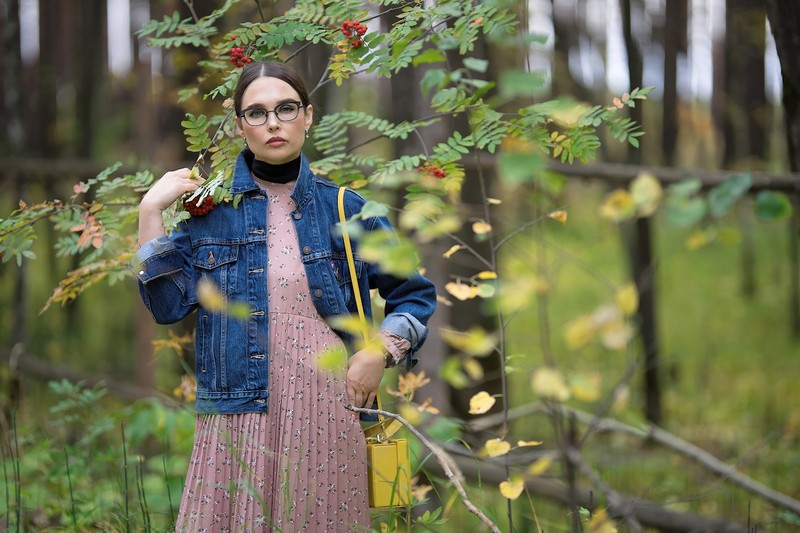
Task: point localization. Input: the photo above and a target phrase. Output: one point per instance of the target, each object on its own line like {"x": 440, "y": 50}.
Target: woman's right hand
{"x": 169, "y": 188}
{"x": 161, "y": 195}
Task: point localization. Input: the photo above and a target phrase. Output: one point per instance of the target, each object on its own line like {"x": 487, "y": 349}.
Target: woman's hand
{"x": 169, "y": 188}
{"x": 161, "y": 195}
{"x": 364, "y": 373}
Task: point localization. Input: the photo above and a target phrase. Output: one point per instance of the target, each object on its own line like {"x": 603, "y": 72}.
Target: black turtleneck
{"x": 282, "y": 173}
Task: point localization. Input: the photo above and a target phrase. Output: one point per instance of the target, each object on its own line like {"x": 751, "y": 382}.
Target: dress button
{"x": 297, "y": 215}
{"x": 318, "y": 293}
{"x": 306, "y": 250}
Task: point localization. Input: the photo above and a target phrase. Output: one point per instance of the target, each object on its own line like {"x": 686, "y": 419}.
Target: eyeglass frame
{"x": 299, "y": 105}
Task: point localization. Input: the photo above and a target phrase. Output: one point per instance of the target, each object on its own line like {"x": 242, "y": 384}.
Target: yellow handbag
{"x": 388, "y": 460}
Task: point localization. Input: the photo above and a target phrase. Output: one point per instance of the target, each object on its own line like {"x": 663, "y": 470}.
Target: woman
{"x": 275, "y": 447}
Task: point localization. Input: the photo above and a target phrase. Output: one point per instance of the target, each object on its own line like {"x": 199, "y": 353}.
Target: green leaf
{"x": 431, "y": 55}
{"x": 686, "y": 187}
{"x": 478, "y": 65}
{"x": 433, "y": 79}
{"x": 374, "y": 209}
{"x": 520, "y": 167}
{"x": 722, "y": 197}
{"x": 684, "y": 212}
{"x": 773, "y": 205}
{"x": 515, "y": 83}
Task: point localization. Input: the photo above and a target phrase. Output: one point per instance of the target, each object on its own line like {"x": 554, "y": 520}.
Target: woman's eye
{"x": 286, "y": 108}
{"x": 256, "y": 113}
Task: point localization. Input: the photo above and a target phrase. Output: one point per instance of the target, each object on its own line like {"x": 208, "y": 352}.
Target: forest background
{"x": 617, "y": 334}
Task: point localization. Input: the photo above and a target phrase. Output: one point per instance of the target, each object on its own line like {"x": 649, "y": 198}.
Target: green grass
{"x": 728, "y": 362}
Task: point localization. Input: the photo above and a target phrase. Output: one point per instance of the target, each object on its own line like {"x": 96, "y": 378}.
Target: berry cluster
{"x": 199, "y": 210}
{"x": 238, "y": 58}
{"x": 432, "y": 170}
{"x": 354, "y": 31}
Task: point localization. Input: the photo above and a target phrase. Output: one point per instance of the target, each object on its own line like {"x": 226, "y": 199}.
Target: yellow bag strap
{"x": 351, "y": 264}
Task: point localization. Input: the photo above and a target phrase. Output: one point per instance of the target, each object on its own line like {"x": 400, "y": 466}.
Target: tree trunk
{"x": 674, "y": 43}
{"x": 640, "y": 247}
{"x": 784, "y": 18}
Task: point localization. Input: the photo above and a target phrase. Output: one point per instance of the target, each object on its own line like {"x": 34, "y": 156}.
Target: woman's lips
{"x": 276, "y": 141}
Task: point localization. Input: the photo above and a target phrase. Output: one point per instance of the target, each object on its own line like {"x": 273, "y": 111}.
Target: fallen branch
{"x": 21, "y": 363}
{"x": 648, "y": 514}
{"x": 660, "y": 436}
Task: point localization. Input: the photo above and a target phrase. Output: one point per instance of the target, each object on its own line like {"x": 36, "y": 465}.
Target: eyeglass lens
{"x": 257, "y": 116}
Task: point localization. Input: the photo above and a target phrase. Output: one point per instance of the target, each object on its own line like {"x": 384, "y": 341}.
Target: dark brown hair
{"x": 269, "y": 69}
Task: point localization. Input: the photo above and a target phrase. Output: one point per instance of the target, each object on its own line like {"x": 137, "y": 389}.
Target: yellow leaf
{"x": 616, "y": 335}
{"x": 410, "y": 413}
{"x": 473, "y": 369}
{"x": 579, "y": 332}
{"x": 210, "y": 296}
{"x": 486, "y": 274}
{"x": 540, "y": 466}
{"x": 481, "y": 403}
{"x": 623, "y": 396}
{"x": 601, "y": 523}
{"x": 618, "y": 206}
{"x": 512, "y": 489}
{"x": 646, "y": 192}
{"x": 332, "y": 360}
{"x": 475, "y": 342}
{"x": 453, "y": 249}
{"x": 523, "y": 443}
{"x": 460, "y": 291}
{"x": 549, "y": 383}
{"x": 496, "y": 447}
{"x": 493, "y": 201}
{"x": 586, "y": 387}
{"x": 628, "y": 298}
{"x": 560, "y": 216}
{"x": 697, "y": 240}
{"x": 481, "y": 227}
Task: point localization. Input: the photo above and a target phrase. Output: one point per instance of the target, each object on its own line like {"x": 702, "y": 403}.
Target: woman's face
{"x": 276, "y": 141}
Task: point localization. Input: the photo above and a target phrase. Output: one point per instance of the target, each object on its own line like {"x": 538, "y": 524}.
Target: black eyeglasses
{"x": 257, "y": 116}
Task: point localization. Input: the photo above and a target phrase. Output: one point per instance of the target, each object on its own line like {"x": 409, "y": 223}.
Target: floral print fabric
{"x": 302, "y": 465}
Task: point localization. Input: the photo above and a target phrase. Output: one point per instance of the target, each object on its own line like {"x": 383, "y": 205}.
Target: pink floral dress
{"x": 301, "y": 466}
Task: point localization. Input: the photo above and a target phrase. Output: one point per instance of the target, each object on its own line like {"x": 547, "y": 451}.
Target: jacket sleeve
{"x": 166, "y": 278}
{"x": 410, "y": 302}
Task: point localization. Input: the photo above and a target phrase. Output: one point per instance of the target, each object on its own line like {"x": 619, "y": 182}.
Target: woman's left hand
{"x": 364, "y": 373}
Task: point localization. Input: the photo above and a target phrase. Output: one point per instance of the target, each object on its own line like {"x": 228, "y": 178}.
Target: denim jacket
{"x": 229, "y": 247}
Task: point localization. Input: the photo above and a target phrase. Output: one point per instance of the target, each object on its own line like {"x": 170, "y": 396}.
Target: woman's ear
{"x": 309, "y": 116}
{"x": 239, "y": 130}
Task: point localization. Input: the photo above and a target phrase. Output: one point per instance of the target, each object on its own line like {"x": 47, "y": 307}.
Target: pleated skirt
{"x": 299, "y": 467}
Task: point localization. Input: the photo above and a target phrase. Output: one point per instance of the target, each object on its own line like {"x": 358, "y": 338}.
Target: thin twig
{"x": 451, "y": 470}
{"x": 260, "y": 11}
{"x": 615, "y": 501}
{"x": 71, "y": 494}
{"x": 190, "y": 5}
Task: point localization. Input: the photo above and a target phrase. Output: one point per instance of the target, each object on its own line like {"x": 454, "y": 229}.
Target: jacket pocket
{"x": 216, "y": 263}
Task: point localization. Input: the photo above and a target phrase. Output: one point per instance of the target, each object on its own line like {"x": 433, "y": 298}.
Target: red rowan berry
{"x": 199, "y": 210}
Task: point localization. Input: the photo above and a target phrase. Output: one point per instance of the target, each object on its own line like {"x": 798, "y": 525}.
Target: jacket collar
{"x": 243, "y": 181}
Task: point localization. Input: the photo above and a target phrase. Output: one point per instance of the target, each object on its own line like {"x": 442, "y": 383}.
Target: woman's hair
{"x": 269, "y": 69}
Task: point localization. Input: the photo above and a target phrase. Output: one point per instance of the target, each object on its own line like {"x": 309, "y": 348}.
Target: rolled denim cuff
{"x": 406, "y": 326}
{"x": 157, "y": 257}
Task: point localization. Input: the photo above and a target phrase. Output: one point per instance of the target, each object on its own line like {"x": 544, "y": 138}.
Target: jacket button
{"x": 306, "y": 250}
{"x": 318, "y": 293}
{"x": 297, "y": 215}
